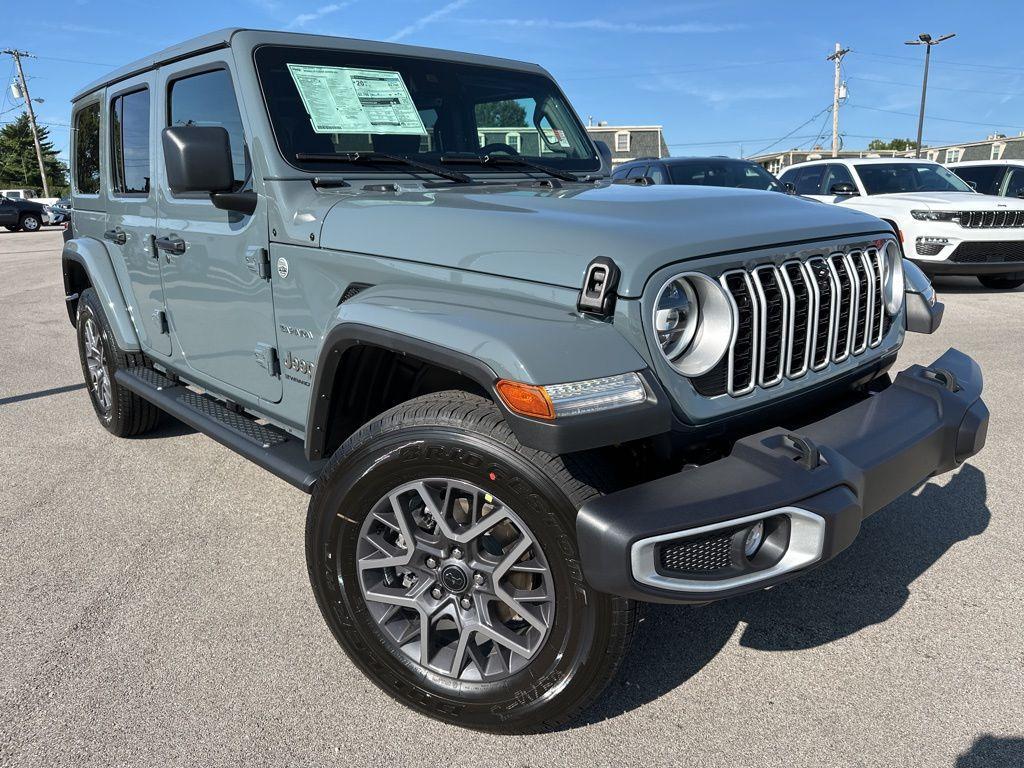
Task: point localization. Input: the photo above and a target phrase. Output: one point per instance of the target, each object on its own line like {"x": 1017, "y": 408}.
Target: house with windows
{"x": 997, "y": 146}
{"x": 629, "y": 142}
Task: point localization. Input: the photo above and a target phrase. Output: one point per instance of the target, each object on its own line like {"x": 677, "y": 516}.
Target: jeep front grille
{"x": 1001, "y": 219}
{"x": 797, "y": 317}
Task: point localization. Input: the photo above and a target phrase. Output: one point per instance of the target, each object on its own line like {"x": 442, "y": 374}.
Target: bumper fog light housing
{"x": 753, "y": 538}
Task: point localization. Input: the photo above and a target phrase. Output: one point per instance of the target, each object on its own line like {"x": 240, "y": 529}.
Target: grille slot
{"x": 798, "y": 316}
{"x": 995, "y": 252}
{"x": 1001, "y": 219}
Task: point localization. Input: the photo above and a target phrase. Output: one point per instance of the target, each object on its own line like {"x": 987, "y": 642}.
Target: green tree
{"x": 899, "y": 145}
{"x": 18, "y": 164}
{"x": 500, "y": 114}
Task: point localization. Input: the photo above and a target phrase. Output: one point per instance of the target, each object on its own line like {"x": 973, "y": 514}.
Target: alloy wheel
{"x": 95, "y": 360}
{"x": 455, "y": 580}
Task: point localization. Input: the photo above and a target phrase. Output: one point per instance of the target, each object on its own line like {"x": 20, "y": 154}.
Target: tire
{"x": 31, "y": 222}
{"x": 120, "y": 411}
{"x": 10, "y": 228}
{"x": 462, "y": 439}
{"x": 1001, "y": 282}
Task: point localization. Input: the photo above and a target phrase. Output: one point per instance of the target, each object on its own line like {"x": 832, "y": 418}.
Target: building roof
{"x": 223, "y": 38}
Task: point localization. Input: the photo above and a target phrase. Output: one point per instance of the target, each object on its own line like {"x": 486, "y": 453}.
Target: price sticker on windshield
{"x": 350, "y": 100}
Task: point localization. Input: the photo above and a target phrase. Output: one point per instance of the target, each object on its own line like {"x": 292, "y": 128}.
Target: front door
{"x": 131, "y": 209}
{"x": 217, "y": 290}
{"x": 8, "y": 213}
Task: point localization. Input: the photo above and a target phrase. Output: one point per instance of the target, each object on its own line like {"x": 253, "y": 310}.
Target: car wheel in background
{"x": 31, "y": 222}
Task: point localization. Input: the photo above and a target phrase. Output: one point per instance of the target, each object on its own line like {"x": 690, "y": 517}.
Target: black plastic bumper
{"x": 840, "y": 469}
{"x": 969, "y": 268}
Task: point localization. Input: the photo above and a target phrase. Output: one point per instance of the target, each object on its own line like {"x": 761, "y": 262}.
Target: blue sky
{"x": 720, "y": 76}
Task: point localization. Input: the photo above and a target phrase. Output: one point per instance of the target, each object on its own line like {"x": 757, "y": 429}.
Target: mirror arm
{"x": 240, "y": 202}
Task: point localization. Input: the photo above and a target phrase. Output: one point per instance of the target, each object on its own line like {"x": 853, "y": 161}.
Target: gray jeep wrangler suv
{"x": 522, "y": 398}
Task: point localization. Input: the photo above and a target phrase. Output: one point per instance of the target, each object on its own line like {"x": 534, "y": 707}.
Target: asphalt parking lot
{"x": 155, "y": 609}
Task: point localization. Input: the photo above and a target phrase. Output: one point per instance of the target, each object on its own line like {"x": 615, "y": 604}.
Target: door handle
{"x": 116, "y": 236}
{"x": 172, "y": 244}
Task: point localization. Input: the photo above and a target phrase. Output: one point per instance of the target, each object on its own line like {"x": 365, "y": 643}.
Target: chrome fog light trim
{"x": 806, "y": 542}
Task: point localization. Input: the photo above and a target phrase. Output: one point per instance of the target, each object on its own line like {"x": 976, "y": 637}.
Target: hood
{"x": 945, "y": 201}
{"x": 550, "y": 235}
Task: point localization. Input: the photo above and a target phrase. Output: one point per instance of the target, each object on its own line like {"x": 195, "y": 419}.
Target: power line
{"x": 77, "y": 61}
{"x": 788, "y": 135}
{"x": 943, "y": 62}
{"x": 942, "y": 119}
{"x": 654, "y": 72}
{"x": 933, "y": 87}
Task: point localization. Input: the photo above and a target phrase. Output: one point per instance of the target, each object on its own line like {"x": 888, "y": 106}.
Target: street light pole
{"x": 31, "y": 115}
{"x": 927, "y": 41}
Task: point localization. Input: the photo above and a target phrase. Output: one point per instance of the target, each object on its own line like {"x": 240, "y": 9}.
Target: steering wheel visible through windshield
{"x": 327, "y": 106}
{"x": 893, "y": 178}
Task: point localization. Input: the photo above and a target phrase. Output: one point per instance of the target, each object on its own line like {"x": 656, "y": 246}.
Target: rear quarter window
{"x": 86, "y": 165}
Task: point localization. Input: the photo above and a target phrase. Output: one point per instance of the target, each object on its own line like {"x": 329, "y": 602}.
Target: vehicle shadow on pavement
{"x": 990, "y": 751}
{"x": 865, "y": 585}
{"x": 966, "y": 285}
{"x": 168, "y": 427}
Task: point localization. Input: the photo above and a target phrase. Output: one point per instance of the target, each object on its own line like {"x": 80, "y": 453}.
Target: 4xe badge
{"x": 282, "y": 267}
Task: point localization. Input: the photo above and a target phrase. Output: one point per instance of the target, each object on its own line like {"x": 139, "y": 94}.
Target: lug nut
{"x": 466, "y": 603}
{"x": 436, "y": 593}
{"x": 457, "y": 553}
{"x": 431, "y": 562}
{"x": 478, "y": 579}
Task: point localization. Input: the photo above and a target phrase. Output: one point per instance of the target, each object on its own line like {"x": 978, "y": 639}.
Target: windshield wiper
{"x": 382, "y": 157}
{"x": 493, "y": 159}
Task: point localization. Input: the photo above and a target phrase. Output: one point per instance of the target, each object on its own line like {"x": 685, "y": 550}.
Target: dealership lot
{"x": 154, "y": 605}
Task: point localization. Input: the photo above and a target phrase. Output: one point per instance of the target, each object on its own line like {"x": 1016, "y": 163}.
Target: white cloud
{"x": 721, "y": 95}
{"x": 604, "y": 25}
{"x": 324, "y": 10}
{"x": 430, "y": 18}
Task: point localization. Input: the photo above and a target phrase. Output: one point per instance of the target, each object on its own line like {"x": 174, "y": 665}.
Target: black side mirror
{"x": 973, "y": 185}
{"x": 790, "y": 187}
{"x": 198, "y": 159}
{"x": 1021, "y": 194}
{"x": 843, "y": 188}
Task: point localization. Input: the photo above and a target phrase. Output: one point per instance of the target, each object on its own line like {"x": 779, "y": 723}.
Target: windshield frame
{"x": 588, "y": 166}
{"x": 941, "y": 170}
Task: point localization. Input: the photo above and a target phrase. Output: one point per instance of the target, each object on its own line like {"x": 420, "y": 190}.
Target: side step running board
{"x": 265, "y": 445}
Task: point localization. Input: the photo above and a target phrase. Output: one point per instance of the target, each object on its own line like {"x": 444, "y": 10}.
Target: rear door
{"x": 131, "y": 208}
{"x": 216, "y": 286}
{"x": 8, "y": 213}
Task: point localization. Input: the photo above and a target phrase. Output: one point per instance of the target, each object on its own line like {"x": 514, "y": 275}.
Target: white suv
{"x": 945, "y": 226}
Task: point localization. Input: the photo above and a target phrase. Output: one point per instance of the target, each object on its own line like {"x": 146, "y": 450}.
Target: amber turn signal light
{"x": 526, "y": 399}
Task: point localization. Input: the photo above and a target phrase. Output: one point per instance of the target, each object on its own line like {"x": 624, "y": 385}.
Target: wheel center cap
{"x": 454, "y": 578}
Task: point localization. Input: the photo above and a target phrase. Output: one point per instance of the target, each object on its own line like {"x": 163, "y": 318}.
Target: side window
{"x": 87, "y": 150}
{"x": 657, "y": 173}
{"x": 1014, "y": 186}
{"x": 836, "y": 174}
{"x": 984, "y": 178}
{"x": 808, "y": 180}
{"x": 209, "y": 99}
{"x": 620, "y": 174}
{"x": 129, "y": 143}
{"x": 637, "y": 171}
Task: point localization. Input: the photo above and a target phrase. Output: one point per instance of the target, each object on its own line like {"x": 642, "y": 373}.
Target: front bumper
{"x": 819, "y": 482}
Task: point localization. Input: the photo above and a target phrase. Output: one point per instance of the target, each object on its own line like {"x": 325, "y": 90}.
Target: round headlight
{"x": 692, "y": 323}
{"x": 892, "y": 278}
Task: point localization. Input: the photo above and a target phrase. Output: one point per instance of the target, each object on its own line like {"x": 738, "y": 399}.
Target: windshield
{"x": 325, "y": 102}
{"x": 892, "y": 178}
{"x": 724, "y": 173}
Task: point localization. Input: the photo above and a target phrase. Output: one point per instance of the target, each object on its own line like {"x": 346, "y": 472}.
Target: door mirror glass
{"x": 843, "y": 188}
{"x": 790, "y": 187}
{"x": 198, "y": 159}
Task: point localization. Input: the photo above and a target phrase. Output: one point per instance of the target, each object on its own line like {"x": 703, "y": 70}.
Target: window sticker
{"x": 347, "y": 100}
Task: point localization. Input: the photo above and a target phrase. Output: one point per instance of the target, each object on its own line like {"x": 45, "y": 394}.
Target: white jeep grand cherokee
{"x": 945, "y": 226}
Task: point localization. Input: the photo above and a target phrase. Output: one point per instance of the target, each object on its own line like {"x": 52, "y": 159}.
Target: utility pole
{"x": 927, "y": 41}
{"x": 31, "y": 114}
{"x": 837, "y": 59}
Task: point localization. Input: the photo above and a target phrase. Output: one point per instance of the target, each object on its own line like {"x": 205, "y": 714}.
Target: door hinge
{"x": 258, "y": 260}
{"x": 266, "y": 358}
{"x": 160, "y": 318}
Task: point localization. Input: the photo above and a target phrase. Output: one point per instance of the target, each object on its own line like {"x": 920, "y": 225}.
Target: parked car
{"x": 946, "y": 227}
{"x": 60, "y": 211}
{"x": 700, "y": 172}
{"x": 1004, "y": 178}
{"x": 495, "y": 372}
{"x": 16, "y": 214}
